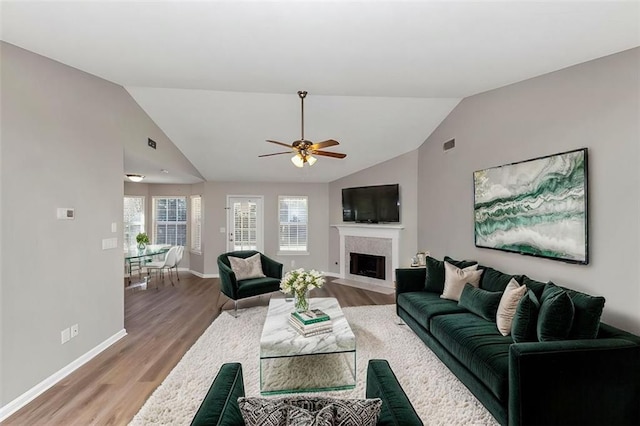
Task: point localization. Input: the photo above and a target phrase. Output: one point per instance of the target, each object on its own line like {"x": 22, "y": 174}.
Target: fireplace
{"x": 367, "y": 265}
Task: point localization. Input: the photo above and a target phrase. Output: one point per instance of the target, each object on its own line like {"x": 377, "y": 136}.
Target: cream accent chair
{"x": 168, "y": 262}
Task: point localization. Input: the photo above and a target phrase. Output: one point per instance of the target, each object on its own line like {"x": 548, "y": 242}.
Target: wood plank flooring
{"x": 161, "y": 326}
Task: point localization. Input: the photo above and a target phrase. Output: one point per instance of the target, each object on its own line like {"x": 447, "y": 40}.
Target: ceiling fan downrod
{"x": 302, "y": 94}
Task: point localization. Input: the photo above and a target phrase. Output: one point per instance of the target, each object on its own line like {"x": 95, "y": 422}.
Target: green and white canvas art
{"x": 536, "y": 207}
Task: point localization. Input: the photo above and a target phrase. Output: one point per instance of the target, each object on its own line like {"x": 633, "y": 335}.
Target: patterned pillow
{"x": 263, "y": 411}
{"x": 297, "y": 416}
{"x": 278, "y": 411}
{"x": 251, "y": 267}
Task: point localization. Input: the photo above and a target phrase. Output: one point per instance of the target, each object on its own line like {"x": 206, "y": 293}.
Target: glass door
{"x": 244, "y": 223}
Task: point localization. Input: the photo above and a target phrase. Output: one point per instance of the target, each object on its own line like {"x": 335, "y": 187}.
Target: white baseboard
{"x": 38, "y": 389}
{"x": 201, "y": 275}
{"x": 332, "y": 274}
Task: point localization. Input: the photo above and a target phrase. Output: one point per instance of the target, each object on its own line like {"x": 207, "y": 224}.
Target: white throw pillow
{"x": 251, "y": 267}
{"x": 508, "y": 306}
{"x": 455, "y": 279}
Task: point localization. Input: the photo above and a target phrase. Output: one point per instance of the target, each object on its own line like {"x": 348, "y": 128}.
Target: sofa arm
{"x": 410, "y": 279}
{"x": 396, "y": 407}
{"x": 574, "y": 382}
{"x": 228, "y": 283}
{"x": 220, "y": 406}
{"x": 270, "y": 267}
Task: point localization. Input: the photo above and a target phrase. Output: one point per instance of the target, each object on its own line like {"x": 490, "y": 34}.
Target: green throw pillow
{"x": 434, "y": 280}
{"x": 556, "y": 314}
{"x": 523, "y": 327}
{"x": 586, "y": 321}
{"x": 481, "y": 302}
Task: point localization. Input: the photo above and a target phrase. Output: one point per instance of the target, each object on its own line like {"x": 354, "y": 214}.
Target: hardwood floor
{"x": 161, "y": 326}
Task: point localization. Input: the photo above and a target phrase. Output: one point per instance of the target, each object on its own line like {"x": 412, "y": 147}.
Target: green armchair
{"x": 241, "y": 289}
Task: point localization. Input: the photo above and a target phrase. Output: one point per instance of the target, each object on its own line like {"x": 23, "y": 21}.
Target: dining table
{"x": 142, "y": 255}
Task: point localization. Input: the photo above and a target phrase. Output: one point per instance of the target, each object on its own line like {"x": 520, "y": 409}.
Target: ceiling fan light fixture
{"x": 135, "y": 178}
{"x": 297, "y": 160}
{"x": 311, "y": 160}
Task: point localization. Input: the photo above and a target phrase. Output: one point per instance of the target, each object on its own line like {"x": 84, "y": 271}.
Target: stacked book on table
{"x": 311, "y": 322}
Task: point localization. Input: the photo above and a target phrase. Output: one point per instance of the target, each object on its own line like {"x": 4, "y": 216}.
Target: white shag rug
{"x": 437, "y": 395}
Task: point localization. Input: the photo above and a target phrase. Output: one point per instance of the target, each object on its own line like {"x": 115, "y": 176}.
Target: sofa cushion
{"x": 481, "y": 302}
{"x": 494, "y": 280}
{"x": 556, "y": 314}
{"x": 455, "y": 279}
{"x": 423, "y": 306}
{"x": 478, "y": 345}
{"x": 523, "y": 326}
{"x": 245, "y": 268}
{"x": 434, "y": 279}
{"x": 586, "y": 319}
{"x": 508, "y": 305}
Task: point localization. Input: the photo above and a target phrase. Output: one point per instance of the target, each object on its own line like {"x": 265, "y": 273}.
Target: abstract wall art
{"x": 536, "y": 207}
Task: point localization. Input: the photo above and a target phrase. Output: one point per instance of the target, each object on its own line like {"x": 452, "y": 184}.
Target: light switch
{"x": 114, "y": 227}
{"x": 66, "y": 213}
{"x": 223, "y": 230}
{"x": 109, "y": 243}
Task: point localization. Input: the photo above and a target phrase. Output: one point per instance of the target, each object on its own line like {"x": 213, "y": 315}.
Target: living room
{"x": 64, "y": 132}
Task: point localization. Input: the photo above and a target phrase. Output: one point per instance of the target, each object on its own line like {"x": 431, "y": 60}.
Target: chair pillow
{"x": 455, "y": 279}
{"x": 434, "y": 280}
{"x": 481, "y": 302}
{"x": 523, "y": 327}
{"x": 251, "y": 267}
{"x": 556, "y": 314}
{"x": 310, "y": 410}
{"x": 508, "y": 305}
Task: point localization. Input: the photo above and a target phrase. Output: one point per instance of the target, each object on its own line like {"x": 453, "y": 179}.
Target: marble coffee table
{"x": 290, "y": 362}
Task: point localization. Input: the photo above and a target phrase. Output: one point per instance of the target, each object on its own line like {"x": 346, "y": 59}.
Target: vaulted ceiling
{"x": 220, "y": 77}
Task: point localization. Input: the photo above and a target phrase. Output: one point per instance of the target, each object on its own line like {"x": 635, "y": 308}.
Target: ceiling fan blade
{"x": 280, "y": 143}
{"x": 324, "y": 144}
{"x": 275, "y": 153}
{"x": 330, "y": 154}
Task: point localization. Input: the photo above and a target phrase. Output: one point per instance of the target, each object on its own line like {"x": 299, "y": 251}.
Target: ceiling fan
{"x": 305, "y": 150}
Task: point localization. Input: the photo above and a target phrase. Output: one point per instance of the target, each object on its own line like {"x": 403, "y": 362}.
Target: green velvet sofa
{"x": 220, "y": 405}
{"x": 574, "y": 381}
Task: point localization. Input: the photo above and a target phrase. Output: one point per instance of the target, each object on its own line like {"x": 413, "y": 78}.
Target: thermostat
{"x": 66, "y": 213}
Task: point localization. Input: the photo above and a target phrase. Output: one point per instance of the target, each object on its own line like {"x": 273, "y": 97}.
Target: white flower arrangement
{"x": 299, "y": 281}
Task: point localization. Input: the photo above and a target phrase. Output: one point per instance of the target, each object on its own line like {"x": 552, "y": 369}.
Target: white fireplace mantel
{"x": 371, "y": 231}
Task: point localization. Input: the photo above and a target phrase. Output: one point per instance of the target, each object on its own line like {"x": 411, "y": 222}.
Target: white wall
{"x": 63, "y": 134}
{"x": 402, "y": 170}
{"x": 593, "y": 105}
{"x": 215, "y": 198}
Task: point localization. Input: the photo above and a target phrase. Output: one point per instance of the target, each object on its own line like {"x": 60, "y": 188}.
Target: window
{"x": 196, "y": 224}
{"x": 293, "y": 214}
{"x": 133, "y": 221}
{"x": 170, "y": 220}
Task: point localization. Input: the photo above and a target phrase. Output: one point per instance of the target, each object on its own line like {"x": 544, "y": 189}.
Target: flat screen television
{"x": 371, "y": 204}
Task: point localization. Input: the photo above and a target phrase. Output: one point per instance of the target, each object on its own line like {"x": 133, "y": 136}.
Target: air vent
{"x": 449, "y": 145}
{"x": 152, "y": 143}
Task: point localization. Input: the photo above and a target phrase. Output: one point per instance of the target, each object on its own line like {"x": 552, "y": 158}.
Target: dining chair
{"x": 168, "y": 262}
{"x": 179, "y": 254}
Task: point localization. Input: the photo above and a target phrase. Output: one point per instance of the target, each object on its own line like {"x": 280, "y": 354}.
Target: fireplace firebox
{"x": 367, "y": 265}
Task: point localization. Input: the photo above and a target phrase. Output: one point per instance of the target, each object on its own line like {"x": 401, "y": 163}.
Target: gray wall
{"x": 593, "y": 105}
{"x": 63, "y": 133}
{"x": 215, "y": 198}
{"x": 402, "y": 170}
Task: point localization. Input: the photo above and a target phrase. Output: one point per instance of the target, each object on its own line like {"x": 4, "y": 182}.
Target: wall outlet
{"x": 65, "y": 335}
{"x": 74, "y": 330}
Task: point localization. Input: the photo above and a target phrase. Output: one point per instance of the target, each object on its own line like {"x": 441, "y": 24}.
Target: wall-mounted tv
{"x": 371, "y": 204}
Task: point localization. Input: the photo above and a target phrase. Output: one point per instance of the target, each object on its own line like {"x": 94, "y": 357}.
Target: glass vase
{"x": 301, "y": 301}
